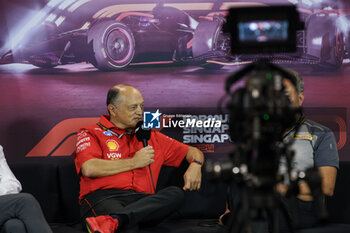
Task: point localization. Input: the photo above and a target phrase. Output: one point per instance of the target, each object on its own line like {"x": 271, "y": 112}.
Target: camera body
{"x": 265, "y": 30}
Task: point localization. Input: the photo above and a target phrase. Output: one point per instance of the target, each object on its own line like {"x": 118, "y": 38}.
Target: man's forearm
{"x": 94, "y": 168}
{"x": 194, "y": 154}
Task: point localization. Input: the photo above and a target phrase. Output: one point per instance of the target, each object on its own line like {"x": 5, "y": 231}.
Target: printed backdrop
{"x": 41, "y": 109}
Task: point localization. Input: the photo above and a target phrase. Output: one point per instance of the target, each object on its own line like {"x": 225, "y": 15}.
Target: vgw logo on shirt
{"x": 151, "y": 120}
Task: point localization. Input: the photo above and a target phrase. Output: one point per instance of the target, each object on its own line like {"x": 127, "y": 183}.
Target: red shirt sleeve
{"x": 87, "y": 147}
{"x": 173, "y": 151}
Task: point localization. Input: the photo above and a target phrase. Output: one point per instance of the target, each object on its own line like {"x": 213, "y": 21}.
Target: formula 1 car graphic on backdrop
{"x": 114, "y": 34}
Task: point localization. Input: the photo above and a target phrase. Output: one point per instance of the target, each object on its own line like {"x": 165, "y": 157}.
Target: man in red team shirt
{"x": 118, "y": 175}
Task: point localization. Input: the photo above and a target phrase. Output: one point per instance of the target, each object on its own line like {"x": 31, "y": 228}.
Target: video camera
{"x": 259, "y": 30}
{"x": 260, "y": 112}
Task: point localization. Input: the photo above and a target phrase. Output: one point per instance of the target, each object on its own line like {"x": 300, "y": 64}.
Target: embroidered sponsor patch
{"x": 114, "y": 156}
{"x": 303, "y": 137}
{"x": 107, "y": 133}
{"x": 112, "y": 145}
{"x": 82, "y": 134}
{"x": 83, "y": 140}
{"x": 83, "y": 146}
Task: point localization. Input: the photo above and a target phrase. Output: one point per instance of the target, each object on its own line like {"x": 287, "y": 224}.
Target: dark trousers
{"x": 140, "y": 208}
{"x": 21, "y": 213}
{"x": 296, "y": 210}
{"x": 290, "y": 211}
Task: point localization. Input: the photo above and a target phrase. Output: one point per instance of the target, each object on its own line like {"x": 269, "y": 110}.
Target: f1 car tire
{"x": 113, "y": 45}
{"x": 205, "y": 39}
{"x": 325, "y": 41}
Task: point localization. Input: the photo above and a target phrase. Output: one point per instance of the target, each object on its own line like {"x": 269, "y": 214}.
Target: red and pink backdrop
{"x": 41, "y": 109}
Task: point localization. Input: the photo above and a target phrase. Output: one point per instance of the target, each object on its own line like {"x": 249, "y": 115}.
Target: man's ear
{"x": 111, "y": 109}
{"x": 301, "y": 98}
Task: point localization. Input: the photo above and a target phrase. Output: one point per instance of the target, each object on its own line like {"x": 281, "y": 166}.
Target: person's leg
{"x": 286, "y": 217}
{"x": 26, "y": 208}
{"x": 307, "y": 215}
{"x": 136, "y": 207}
{"x": 295, "y": 214}
{"x": 109, "y": 202}
{"x": 13, "y": 225}
{"x": 154, "y": 208}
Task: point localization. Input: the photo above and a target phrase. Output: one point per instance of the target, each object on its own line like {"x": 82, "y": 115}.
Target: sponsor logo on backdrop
{"x": 210, "y": 135}
{"x": 62, "y": 139}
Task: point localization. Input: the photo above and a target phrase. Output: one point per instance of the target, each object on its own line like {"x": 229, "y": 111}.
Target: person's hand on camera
{"x": 143, "y": 157}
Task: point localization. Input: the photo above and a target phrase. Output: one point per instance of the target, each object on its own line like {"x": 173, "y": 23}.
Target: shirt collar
{"x": 105, "y": 121}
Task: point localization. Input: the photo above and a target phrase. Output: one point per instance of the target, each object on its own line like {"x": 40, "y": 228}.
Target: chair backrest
{"x": 69, "y": 191}
{"x": 208, "y": 202}
{"x": 41, "y": 180}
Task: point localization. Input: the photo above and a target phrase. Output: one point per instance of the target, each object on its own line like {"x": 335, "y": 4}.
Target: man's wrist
{"x": 197, "y": 161}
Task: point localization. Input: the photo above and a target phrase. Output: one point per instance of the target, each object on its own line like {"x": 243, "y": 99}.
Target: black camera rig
{"x": 260, "y": 113}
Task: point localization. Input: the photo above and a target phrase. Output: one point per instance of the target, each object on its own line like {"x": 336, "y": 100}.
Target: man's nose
{"x": 139, "y": 110}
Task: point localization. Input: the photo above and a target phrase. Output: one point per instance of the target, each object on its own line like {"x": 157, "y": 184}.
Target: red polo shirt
{"x": 94, "y": 142}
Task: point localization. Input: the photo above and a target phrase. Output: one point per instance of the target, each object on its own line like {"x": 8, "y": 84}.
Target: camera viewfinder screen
{"x": 263, "y": 31}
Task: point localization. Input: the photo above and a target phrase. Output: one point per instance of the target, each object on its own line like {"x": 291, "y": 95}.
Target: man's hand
{"x": 193, "y": 177}
{"x": 143, "y": 157}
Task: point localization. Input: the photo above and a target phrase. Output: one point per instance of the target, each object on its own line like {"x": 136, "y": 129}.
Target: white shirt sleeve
{"x": 8, "y": 182}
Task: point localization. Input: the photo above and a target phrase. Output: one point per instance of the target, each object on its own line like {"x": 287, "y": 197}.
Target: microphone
{"x": 142, "y": 134}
